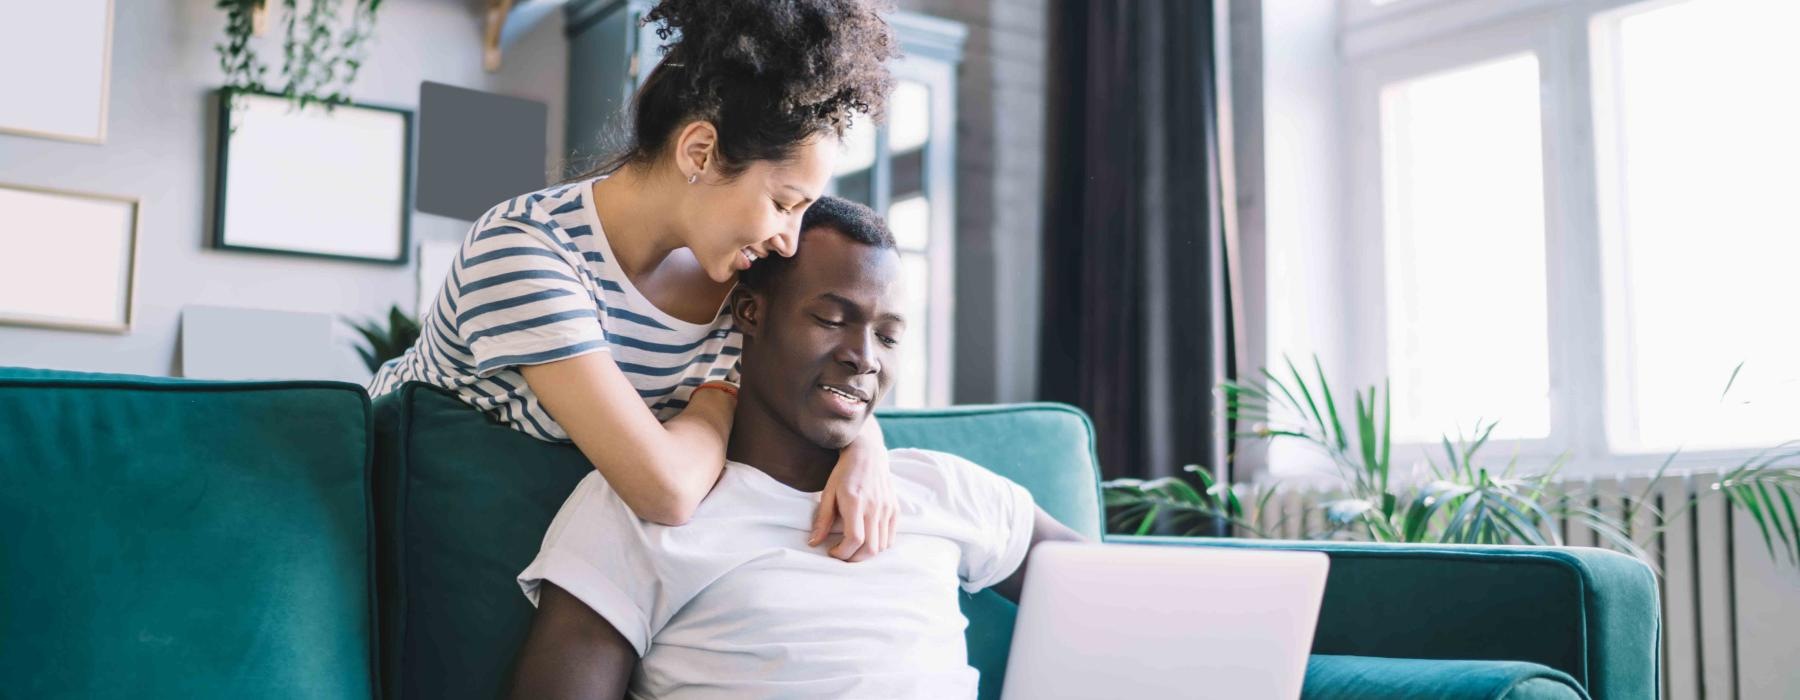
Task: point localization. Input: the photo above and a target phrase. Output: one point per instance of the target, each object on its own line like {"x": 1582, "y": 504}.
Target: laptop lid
{"x": 1135, "y": 621}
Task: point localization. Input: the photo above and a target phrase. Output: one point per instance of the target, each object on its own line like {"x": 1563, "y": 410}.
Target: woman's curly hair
{"x": 768, "y": 75}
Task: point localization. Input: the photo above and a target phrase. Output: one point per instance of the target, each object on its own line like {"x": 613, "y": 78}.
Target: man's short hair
{"x": 855, "y": 221}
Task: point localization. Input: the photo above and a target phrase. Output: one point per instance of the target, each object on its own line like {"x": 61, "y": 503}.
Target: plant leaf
{"x": 1365, "y": 434}
{"x": 1325, "y": 428}
{"x": 1330, "y": 405}
{"x": 1387, "y": 426}
{"x": 1732, "y": 380}
{"x": 1149, "y": 521}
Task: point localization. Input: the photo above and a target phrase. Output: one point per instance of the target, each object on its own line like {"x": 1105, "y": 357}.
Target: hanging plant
{"x": 321, "y": 51}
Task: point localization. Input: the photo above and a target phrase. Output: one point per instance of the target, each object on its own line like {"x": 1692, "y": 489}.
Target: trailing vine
{"x": 321, "y": 51}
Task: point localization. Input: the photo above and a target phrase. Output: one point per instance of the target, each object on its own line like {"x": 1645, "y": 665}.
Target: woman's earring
{"x": 693, "y": 178}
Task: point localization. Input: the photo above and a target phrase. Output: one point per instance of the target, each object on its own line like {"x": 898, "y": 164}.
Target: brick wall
{"x": 1000, "y": 193}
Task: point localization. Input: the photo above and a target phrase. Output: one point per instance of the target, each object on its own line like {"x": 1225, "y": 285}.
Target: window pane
{"x": 859, "y": 146}
{"x": 909, "y": 116}
{"x": 910, "y": 386}
{"x": 910, "y": 220}
{"x": 1700, "y": 127}
{"x": 1464, "y": 216}
{"x": 856, "y": 187}
{"x": 908, "y": 174}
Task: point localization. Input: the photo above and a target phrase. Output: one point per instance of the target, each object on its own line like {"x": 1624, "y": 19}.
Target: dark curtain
{"x": 1136, "y": 323}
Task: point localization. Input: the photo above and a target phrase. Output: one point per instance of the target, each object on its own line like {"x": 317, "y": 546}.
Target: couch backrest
{"x": 1048, "y": 449}
{"x": 172, "y": 538}
{"x": 464, "y": 503}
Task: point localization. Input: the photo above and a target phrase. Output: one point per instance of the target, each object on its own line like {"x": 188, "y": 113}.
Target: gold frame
{"x": 105, "y": 90}
{"x": 131, "y": 266}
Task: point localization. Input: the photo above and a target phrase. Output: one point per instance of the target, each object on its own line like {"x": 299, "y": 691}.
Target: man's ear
{"x": 747, "y": 309}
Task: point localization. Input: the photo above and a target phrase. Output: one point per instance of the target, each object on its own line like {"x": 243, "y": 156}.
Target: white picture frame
{"x": 71, "y": 259}
{"x": 313, "y": 182}
{"x": 56, "y": 74}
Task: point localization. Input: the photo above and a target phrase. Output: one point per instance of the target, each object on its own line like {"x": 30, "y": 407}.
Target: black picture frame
{"x": 222, "y": 238}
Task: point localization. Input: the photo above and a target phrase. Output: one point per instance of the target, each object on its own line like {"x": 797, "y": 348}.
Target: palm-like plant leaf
{"x": 1135, "y": 504}
{"x": 1762, "y": 486}
{"x": 382, "y": 343}
{"x": 1466, "y": 503}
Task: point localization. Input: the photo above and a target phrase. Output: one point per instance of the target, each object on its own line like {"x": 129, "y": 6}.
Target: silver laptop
{"x": 1135, "y": 621}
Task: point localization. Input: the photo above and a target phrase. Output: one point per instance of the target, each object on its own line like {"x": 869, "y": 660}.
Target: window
{"x": 903, "y": 170}
{"x": 1698, "y": 118}
{"x": 899, "y": 149}
{"x": 1462, "y": 177}
{"x": 1579, "y": 219}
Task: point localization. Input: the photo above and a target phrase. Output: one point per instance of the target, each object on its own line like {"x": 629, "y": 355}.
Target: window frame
{"x": 1381, "y": 45}
{"x": 939, "y": 78}
{"x": 931, "y": 53}
{"x": 932, "y": 50}
{"x": 1366, "y": 273}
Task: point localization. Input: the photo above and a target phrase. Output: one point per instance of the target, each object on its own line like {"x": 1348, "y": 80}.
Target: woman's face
{"x": 757, "y": 214}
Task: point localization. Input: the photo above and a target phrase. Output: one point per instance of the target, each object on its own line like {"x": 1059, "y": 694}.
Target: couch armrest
{"x": 1591, "y": 613}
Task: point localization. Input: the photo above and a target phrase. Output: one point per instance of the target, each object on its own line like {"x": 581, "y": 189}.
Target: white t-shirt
{"x": 735, "y": 605}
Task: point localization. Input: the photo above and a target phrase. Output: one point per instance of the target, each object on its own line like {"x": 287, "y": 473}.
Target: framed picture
{"x": 71, "y": 259}
{"x": 54, "y": 71}
{"x": 331, "y": 184}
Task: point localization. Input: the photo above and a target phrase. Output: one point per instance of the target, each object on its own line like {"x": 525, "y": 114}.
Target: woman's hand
{"x": 860, "y": 493}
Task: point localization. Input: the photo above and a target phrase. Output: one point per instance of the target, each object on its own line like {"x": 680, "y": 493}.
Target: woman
{"x": 594, "y": 311}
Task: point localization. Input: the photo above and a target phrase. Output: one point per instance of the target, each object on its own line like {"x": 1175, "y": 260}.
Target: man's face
{"x": 821, "y": 345}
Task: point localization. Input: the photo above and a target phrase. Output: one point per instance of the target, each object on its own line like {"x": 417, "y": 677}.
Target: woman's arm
{"x": 661, "y": 470}
{"x": 861, "y": 493}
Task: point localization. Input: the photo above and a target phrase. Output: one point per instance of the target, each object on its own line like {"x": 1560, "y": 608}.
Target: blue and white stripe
{"x": 535, "y": 282}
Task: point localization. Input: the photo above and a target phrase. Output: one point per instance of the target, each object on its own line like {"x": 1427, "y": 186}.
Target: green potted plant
{"x": 1462, "y": 501}
{"x": 382, "y": 343}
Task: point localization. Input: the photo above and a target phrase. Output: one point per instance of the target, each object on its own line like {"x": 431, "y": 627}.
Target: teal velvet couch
{"x": 171, "y": 538}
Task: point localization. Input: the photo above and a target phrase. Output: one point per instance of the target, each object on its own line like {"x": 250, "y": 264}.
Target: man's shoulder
{"x": 915, "y": 457}
{"x": 940, "y": 470}
{"x": 595, "y": 497}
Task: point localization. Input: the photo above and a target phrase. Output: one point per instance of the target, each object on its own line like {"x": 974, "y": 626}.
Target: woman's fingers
{"x": 822, "y": 519}
{"x": 876, "y": 543}
{"x": 855, "y": 534}
{"x": 868, "y": 524}
{"x": 888, "y": 524}
{"x": 880, "y": 539}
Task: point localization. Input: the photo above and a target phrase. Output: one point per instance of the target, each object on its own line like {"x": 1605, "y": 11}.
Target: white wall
{"x": 1304, "y": 194}
{"x": 1306, "y": 216}
{"x": 159, "y": 148}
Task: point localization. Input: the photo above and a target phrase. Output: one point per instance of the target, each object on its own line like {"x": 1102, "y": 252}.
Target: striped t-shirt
{"x": 536, "y": 282}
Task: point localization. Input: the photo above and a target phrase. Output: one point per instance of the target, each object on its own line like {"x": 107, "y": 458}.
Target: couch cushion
{"x": 462, "y": 505}
{"x": 1587, "y": 612}
{"x": 464, "y": 502}
{"x": 1331, "y": 677}
{"x": 176, "y": 538}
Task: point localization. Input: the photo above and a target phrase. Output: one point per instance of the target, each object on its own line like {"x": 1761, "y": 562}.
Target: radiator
{"x": 1731, "y": 612}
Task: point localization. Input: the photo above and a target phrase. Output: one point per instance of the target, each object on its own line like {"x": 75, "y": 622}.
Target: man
{"x": 735, "y": 604}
